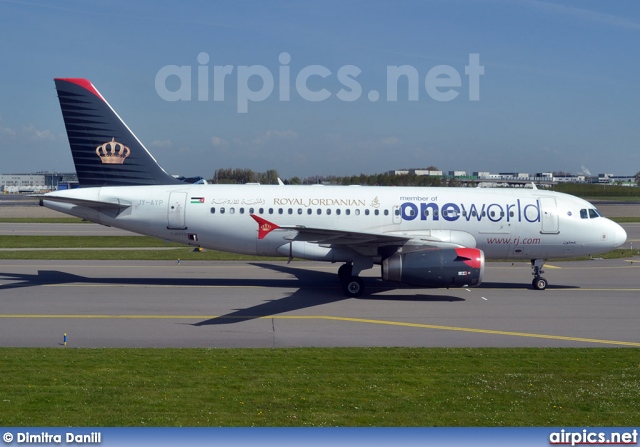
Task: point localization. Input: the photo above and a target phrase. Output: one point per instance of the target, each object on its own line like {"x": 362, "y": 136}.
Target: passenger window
{"x": 221, "y": 210}
{"x": 338, "y": 211}
{"x": 319, "y": 211}
{"x": 329, "y": 211}
{"x": 261, "y": 210}
{"x": 213, "y": 210}
{"x": 357, "y": 212}
{"x": 366, "y": 212}
{"x": 309, "y": 211}
{"x": 290, "y": 211}
{"x": 279, "y": 210}
{"x": 232, "y": 210}
{"x": 270, "y": 210}
{"x": 386, "y": 212}
{"x": 583, "y": 214}
{"x": 251, "y": 211}
{"x": 347, "y": 212}
{"x": 241, "y": 210}
{"x": 376, "y": 212}
{"x": 299, "y": 210}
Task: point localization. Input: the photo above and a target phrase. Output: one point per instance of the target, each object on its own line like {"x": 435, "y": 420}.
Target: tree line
{"x": 270, "y": 177}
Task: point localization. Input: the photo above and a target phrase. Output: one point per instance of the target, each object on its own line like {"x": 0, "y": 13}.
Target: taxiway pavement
{"x": 275, "y": 304}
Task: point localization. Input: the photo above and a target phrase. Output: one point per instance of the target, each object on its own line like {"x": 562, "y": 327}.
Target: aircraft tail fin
{"x": 105, "y": 151}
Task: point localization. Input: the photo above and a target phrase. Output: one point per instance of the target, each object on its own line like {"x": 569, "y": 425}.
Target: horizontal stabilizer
{"x": 93, "y": 204}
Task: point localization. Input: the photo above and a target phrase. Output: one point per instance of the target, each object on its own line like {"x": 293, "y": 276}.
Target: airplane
{"x": 418, "y": 236}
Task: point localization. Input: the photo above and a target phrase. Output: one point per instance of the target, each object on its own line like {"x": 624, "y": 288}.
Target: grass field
{"x": 320, "y": 387}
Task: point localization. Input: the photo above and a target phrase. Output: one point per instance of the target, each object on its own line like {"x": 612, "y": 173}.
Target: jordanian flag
{"x": 197, "y": 199}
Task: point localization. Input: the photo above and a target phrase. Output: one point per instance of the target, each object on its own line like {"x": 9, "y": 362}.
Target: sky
{"x": 332, "y": 87}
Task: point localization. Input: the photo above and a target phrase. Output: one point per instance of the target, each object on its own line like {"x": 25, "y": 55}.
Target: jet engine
{"x": 450, "y": 267}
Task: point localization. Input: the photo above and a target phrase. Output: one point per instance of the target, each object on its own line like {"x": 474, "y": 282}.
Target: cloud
{"x": 255, "y": 142}
{"x": 161, "y": 143}
{"x": 583, "y": 14}
{"x": 274, "y": 134}
{"x": 390, "y": 141}
{"x": 219, "y": 142}
{"x": 36, "y": 134}
{"x": 7, "y": 131}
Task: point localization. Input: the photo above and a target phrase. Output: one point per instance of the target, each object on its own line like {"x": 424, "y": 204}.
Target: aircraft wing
{"x": 350, "y": 238}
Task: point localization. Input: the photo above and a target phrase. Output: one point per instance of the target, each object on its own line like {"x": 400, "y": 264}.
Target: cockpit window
{"x": 591, "y": 213}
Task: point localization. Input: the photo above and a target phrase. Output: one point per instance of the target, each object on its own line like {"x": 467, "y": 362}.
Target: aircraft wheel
{"x": 353, "y": 287}
{"x": 539, "y": 283}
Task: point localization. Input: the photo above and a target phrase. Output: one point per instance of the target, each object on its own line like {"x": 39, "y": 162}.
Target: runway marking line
{"x": 333, "y": 318}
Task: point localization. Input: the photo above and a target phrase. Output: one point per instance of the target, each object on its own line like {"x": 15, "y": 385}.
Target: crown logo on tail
{"x": 112, "y": 152}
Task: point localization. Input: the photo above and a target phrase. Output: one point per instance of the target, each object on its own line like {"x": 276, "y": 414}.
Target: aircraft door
{"x": 175, "y": 216}
{"x": 396, "y": 214}
{"x": 549, "y": 215}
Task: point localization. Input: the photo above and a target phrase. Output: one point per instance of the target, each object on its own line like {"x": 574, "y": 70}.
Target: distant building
{"x": 41, "y": 181}
{"x": 610, "y": 179}
{"x": 570, "y": 179}
{"x": 22, "y": 182}
{"x": 514, "y": 175}
{"x": 427, "y": 172}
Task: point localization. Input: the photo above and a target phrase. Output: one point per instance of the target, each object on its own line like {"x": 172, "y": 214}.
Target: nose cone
{"x": 619, "y": 235}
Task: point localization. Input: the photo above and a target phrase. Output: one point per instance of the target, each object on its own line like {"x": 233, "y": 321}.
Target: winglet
{"x": 264, "y": 226}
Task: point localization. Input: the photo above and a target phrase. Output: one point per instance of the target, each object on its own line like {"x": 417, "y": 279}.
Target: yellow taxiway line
{"x": 332, "y": 318}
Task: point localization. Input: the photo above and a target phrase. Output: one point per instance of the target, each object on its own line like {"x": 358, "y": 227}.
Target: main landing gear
{"x": 539, "y": 283}
{"x": 352, "y": 286}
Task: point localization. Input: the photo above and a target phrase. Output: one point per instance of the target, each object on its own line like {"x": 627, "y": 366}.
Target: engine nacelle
{"x": 450, "y": 267}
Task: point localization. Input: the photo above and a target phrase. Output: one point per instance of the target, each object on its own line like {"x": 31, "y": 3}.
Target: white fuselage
{"x": 504, "y": 223}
